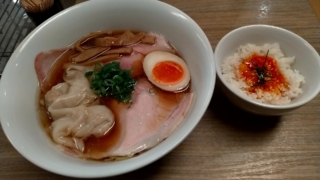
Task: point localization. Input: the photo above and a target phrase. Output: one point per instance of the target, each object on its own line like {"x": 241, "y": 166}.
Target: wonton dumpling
{"x": 75, "y": 112}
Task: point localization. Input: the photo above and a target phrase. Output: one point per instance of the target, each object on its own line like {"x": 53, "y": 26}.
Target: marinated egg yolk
{"x": 167, "y": 72}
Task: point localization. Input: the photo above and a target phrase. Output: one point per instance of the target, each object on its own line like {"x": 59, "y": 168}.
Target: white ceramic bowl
{"x": 19, "y": 84}
{"x": 307, "y": 62}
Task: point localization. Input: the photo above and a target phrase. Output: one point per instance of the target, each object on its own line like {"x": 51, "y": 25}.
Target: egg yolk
{"x": 167, "y": 72}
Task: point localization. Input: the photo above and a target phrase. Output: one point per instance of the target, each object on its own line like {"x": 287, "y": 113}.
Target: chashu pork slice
{"x": 147, "y": 122}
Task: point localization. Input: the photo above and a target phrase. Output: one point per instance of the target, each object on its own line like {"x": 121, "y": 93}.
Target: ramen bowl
{"x": 19, "y": 88}
{"x": 307, "y": 62}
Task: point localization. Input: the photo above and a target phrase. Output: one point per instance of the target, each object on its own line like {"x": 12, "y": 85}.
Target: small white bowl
{"x": 307, "y": 62}
{"x": 19, "y": 84}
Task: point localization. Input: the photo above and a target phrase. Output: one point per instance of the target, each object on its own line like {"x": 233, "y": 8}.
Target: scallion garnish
{"x": 110, "y": 80}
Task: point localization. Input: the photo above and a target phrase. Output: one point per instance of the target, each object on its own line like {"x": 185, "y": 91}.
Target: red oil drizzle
{"x": 273, "y": 82}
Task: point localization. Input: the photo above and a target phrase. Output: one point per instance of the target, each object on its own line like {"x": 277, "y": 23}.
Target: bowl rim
{"x": 247, "y": 99}
{"x": 149, "y": 159}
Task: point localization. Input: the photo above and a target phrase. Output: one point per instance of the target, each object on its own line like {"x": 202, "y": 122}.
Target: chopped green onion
{"x": 110, "y": 80}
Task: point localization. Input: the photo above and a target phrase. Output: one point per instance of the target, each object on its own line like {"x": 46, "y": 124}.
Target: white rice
{"x": 231, "y": 74}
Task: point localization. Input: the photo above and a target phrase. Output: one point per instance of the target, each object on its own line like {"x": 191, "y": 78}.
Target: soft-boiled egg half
{"x": 166, "y": 71}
